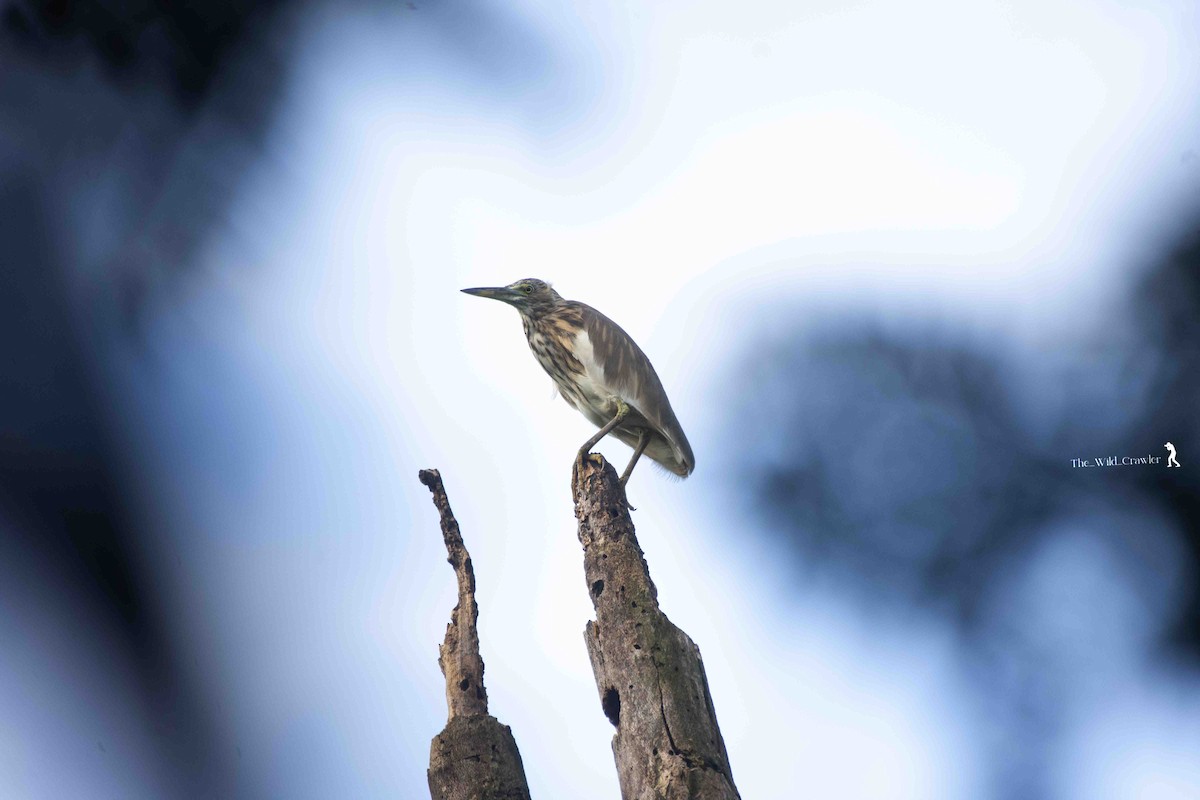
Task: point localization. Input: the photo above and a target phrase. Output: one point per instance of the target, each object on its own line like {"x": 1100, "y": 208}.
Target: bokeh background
{"x": 897, "y": 265}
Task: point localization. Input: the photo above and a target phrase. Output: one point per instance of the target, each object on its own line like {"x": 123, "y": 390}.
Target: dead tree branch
{"x": 475, "y": 756}
{"x": 648, "y": 672}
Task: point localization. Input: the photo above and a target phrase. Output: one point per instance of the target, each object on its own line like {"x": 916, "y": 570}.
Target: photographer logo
{"x": 1171, "y": 460}
{"x": 1129, "y": 461}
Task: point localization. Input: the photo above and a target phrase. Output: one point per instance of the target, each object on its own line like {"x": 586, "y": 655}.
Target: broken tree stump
{"x": 648, "y": 672}
{"x": 475, "y": 757}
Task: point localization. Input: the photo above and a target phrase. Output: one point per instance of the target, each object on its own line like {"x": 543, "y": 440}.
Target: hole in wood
{"x": 612, "y": 705}
{"x": 597, "y": 588}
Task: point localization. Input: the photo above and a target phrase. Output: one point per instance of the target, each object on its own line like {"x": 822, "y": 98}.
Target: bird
{"x": 600, "y": 371}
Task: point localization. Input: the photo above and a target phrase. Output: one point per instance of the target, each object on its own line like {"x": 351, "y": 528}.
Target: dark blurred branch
{"x": 142, "y": 40}
{"x": 649, "y": 673}
{"x": 474, "y": 756}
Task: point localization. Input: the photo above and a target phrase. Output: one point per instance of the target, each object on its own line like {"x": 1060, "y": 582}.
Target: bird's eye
{"x": 527, "y": 289}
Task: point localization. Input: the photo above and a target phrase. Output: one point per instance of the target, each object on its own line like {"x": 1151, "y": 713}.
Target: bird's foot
{"x": 621, "y": 482}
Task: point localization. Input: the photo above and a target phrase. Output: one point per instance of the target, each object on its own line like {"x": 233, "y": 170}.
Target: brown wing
{"x": 628, "y": 371}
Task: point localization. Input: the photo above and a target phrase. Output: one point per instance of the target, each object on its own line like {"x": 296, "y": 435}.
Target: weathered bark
{"x": 474, "y": 757}
{"x": 648, "y": 672}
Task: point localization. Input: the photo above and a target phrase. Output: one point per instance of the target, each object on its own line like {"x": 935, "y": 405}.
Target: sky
{"x": 702, "y": 174}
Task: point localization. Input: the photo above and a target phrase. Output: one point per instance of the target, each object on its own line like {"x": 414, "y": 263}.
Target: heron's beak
{"x": 501, "y": 293}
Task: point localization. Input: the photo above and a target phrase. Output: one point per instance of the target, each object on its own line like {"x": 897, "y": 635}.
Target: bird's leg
{"x": 643, "y": 440}
{"x": 622, "y": 411}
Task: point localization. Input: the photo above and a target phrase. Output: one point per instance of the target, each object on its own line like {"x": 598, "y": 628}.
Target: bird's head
{"x": 530, "y": 296}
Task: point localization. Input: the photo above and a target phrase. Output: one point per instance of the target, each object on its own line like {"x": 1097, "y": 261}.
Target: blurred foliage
{"x": 127, "y": 129}
{"x": 933, "y": 471}
{"x": 105, "y": 185}
{"x": 915, "y": 463}
{"x": 187, "y": 43}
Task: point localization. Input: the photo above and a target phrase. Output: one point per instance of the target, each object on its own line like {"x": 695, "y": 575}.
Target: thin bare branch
{"x": 475, "y": 757}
